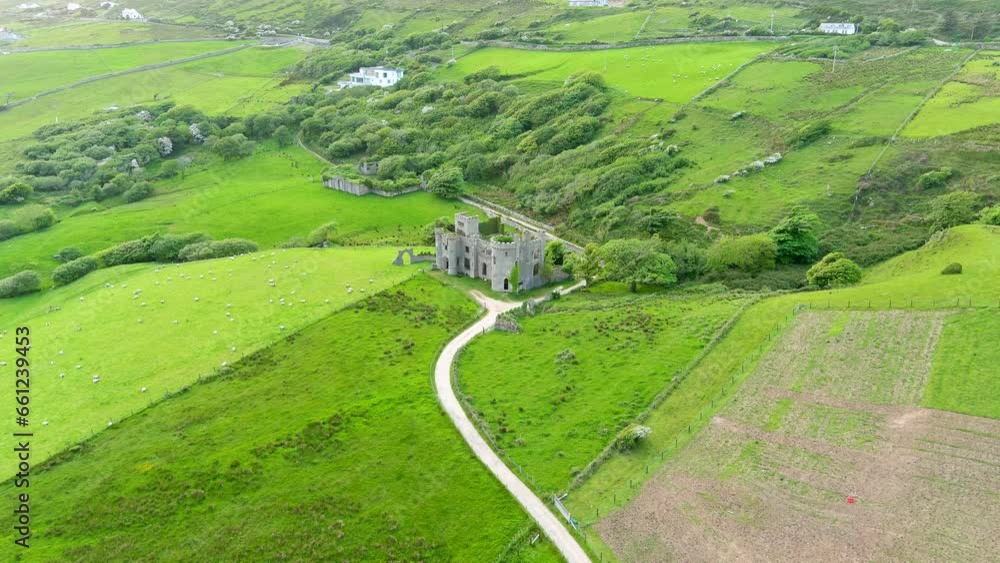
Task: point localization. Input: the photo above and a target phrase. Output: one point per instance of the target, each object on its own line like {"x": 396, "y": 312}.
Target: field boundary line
{"x": 99, "y": 77}
{"x": 113, "y": 45}
{"x": 906, "y": 121}
{"x": 644, "y": 22}
{"x": 626, "y": 45}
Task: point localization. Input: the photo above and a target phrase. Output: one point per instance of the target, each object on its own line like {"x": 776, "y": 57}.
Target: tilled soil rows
{"x": 824, "y": 456}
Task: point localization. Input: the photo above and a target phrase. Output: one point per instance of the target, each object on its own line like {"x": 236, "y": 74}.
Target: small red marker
{"x": 851, "y": 500}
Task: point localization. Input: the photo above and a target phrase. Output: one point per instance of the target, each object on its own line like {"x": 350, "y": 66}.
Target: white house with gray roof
{"x": 839, "y": 28}
{"x": 381, "y": 76}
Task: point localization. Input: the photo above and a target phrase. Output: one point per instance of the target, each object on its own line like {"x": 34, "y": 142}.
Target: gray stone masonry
{"x": 466, "y": 253}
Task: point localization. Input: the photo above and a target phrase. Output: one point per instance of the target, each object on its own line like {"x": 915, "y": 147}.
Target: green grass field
{"x": 224, "y": 310}
{"x": 640, "y": 71}
{"x": 102, "y": 33}
{"x": 970, "y": 100}
{"x": 235, "y": 199}
{"x": 236, "y": 83}
{"x": 964, "y": 378}
{"x": 578, "y": 373}
{"x": 329, "y": 443}
{"x": 44, "y": 70}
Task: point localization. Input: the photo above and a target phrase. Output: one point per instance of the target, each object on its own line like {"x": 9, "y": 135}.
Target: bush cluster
{"x": 20, "y": 284}
{"x": 74, "y": 270}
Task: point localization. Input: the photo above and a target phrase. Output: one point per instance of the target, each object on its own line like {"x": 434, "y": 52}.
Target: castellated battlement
{"x": 467, "y": 253}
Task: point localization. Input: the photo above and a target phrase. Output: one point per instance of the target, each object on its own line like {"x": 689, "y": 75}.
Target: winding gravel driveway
{"x": 549, "y": 523}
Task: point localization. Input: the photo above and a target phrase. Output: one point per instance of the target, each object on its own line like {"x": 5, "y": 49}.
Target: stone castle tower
{"x": 467, "y": 253}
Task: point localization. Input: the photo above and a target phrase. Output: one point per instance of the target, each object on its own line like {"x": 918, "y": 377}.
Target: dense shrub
{"x": 15, "y": 192}
{"x": 630, "y": 437}
{"x": 74, "y": 270}
{"x": 8, "y": 229}
{"x": 952, "y": 269}
{"x": 834, "y": 270}
{"x": 795, "y": 236}
{"x": 34, "y": 218}
{"x": 689, "y": 258}
{"x": 990, "y": 215}
{"x": 638, "y": 261}
{"x": 751, "y": 253}
{"x": 169, "y": 169}
{"x": 138, "y": 192}
{"x": 809, "y": 133}
{"x": 955, "y": 208}
{"x": 19, "y": 284}
{"x": 934, "y": 178}
{"x": 216, "y": 249}
{"x": 128, "y": 252}
{"x": 67, "y": 254}
{"x": 167, "y": 247}
{"x": 446, "y": 182}
{"x": 233, "y": 146}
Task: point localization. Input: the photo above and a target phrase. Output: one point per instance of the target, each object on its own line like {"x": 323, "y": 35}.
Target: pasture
{"x": 331, "y": 441}
{"x": 86, "y": 33}
{"x": 964, "y": 378}
{"x": 31, "y": 73}
{"x": 235, "y": 83}
{"x": 971, "y": 99}
{"x": 674, "y": 73}
{"x": 235, "y": 199}
{"x": 823, "y": 454}
{"x": 198, "y": 314}
{"x": 575, "y": 375}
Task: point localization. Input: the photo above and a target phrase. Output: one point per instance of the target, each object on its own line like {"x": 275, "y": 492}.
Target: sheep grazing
{"x": 110, "y": 422}
{"x": 224, "y": 364}
{"x": 362, "y": 290}
{"x": 233, "y": 349}
{"x": 143, "y": 304}
{"x": 140, "y": 321}
{"x": 350, "y": 290}
{"x": 61, "y": 375}
{"x": 61, "y": 352}
{"x": 371, "y": 280}
{"x": 326, "y": 301}
{"x": 215, "y": 332}
{"x": 81, "y": 298}
{"x": 78, "y": 366}
{"x": 176, "y": 322}
{"x": 282, "y": 327}
{"x": 45, "y": 423}
{"x": 143, "y": 390}
{"x": 196, "y": 299}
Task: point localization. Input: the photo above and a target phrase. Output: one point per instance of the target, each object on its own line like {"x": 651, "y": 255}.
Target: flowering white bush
{"x": 165, "y": 146}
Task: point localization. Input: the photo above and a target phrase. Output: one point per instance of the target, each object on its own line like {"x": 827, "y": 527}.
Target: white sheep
{"x": 143, "y": 390}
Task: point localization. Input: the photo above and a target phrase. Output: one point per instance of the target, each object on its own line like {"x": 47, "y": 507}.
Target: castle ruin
{"x": 466, "y": 252}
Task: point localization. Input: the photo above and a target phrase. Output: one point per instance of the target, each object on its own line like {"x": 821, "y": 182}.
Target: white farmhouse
{"x": 839, "y": 28}
{"x": 132, "y": 14}
{"x": 588, "y": 3}
{"x": 380, "y": 76}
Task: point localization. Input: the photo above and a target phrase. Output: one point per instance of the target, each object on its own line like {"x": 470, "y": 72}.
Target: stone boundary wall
{"x": 144, "y": 68}
{"x": 353, "y": 188}
{"x": 626, "y": 45}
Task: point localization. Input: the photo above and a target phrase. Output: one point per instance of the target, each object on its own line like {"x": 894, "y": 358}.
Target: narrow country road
{"x": 535, "y": 507}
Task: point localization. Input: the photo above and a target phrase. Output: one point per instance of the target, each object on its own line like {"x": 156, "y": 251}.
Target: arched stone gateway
{"x": 414, "y": 258}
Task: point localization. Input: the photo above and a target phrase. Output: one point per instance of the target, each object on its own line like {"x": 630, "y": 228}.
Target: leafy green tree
{"x": 638, "y": 261}
{"x": 139, "y": 191}
{"x": 170, "y": 168}
{"x": 834, "y": 270}
{"x": 587, "y": 265}
{"x": 955, "y": 208}
{"x": 949, "y": 23}
{"x": 689, "y": 258}
{"x": 8, "y": 229}
{"x": 15, "y": 192}
{"x": 555, "y": 252}
{"x": 888, "y": 25}
{"x": 284, "y": 136}
{"x": 446, "y": 182}
{"x": 795, "y": 236}
{"x": 751, "y": 253}
{"x": 233, "y": 147}
{"x": 515, "y": 278}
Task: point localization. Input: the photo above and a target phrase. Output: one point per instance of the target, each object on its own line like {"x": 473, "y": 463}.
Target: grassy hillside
{"x": 235, "y": 199}
{"x": 328, "y": 444}
{"x": 84, "y": 33}
{"x": 44, "y": 70}
{"x": 149, "y": 330}
{"x": 674, "y": 73}
{"x": 575, "y": 375}
{"x": 236, "y": 83}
